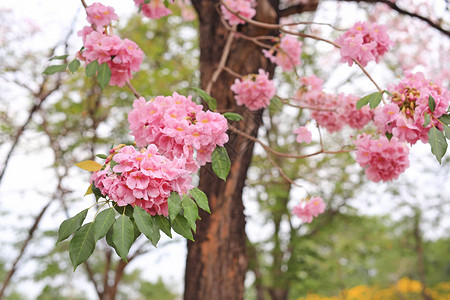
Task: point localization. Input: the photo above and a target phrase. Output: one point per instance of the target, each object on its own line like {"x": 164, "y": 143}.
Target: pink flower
{"x": 179, "y": 128}
{"x": 364, "y": 42}
{"x": 404, "y": 117}
{"x": 100, "y": 15}
{"x": 382, "y": 159}
{"x": 332, "y": 112}
{"x": 144, "y": 178}
{"x": 122, "y": 56}
{"x": 288, "y": 53}
{"x": 312, "y": 208}
{"x": 254, "y": 91}
{"x": 303, "y": 135}
{"x": 153, "y": 10}
{"x": 245, "y": 8}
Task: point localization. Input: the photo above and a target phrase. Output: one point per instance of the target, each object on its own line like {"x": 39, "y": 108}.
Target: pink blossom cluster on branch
{"x": 288, "y": 53}
{"x": 364, "y": 42}
{"x": 254, "y": 90}
{"x": 143, "y": 178}
{"x": 404, "y": 117}
{"x": 332, "y": 112}
{"x": 245, "y": 8}
{"x": 383, "y": 159}
{"x": 155, "y": 9}
{"x": 309, "y": 209}
{"x": 100, "y": 15}
{"x": 122, "y": 56}
{"x": 178, "y": 126}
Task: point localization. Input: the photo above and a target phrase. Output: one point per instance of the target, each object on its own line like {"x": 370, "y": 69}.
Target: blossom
{"x": 303, "y": 135}
{"x": 364, "y": 42}
{"x": 254, "y": 91}
{"x": 100, "y": 15}
{"x": 309, "y": 209}
{"x": 245, "y": 8}
{"x": 153, "y": 10}
{"x": 404, "y": 117}
{"x": 143, "y": 178}
{"x": 332, "y": 112}
{"x": 288, "y": 53}
{"x": 178, "y": 126}
{"x": 383, "y": 159}
{"x": 122, "y": 56}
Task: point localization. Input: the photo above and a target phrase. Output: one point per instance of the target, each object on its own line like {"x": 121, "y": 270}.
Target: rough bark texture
{"x": 217, "y": 261}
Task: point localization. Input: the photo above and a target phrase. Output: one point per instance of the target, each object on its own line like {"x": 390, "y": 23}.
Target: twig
{"x": 33, "y": 228}
{"x": 282, "y": 154}
{"x": 223, "y": 60}
{"x": 135, "y": 92}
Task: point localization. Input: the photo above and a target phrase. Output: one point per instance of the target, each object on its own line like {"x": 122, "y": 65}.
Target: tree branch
{"x": 298, "y": 8}
{"x": 402, "y": 11}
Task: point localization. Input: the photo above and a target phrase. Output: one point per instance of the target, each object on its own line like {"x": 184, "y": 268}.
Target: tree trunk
{"x": 217, "y": 262}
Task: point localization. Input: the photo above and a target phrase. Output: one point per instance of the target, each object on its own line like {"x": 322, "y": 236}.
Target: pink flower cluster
{"x": 384, "y": 160}
{"x": 178, "y": 126}
{"x": 122, "y": 56}
{"x": 143, "y": 178}
{"x": 288, "y": 53}
{"x": 312, "y": 208}
{"x": 332, "y": 112}
{"x": 245, "y": 8}
{"x": 364, "y": 42}
{"x": 404, "y": 117}
{"x": 100, "y": 15}
{"x": 254, "y": 90}
{"x": 153, "y": 10}
{"x": 303, "y": 135}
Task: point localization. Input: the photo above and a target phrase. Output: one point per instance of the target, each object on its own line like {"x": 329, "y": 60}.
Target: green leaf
{"x": 190, "y": 211}
{"x": 233, "y": 116}
{"x": 128, "y": 210}
{"x": 387, "y": 92}
{"x": 212, "y": 103}
{"x": 438, "y": 143}
{"x": 103, "y": 223}
{"x": 427, "y": 119}
{"x": 123, "y": 236}
{"x": 447, "y": 131}
{"x": 71, "y": 225}
{"x": 137, "y": 232}
{"x": 373, "y": 99}
{"x": 82, "y": 245}
{"x": 275, "y": 105}
{"x": 431, "y": 103}
{"x": 163, "y": 224}
{"x": 445, "y": 119}
{"x": 109, "y": 236}
{"x": 104, "y": 75}
{"x": 388, "y": 135}
{"x": 181, "y": 226}
{"x": 54, "y": 69}
{"x": 74, "y": 65}
{"x": 147, "y": 225}
{"x": 220, "y": 162}
{"x": 200, "y": 198}
{"x": 102, "y": 156}
{"x": 174, "y": 203}
{"x": 91, "y": 68}
{"x": 59, "y": 57}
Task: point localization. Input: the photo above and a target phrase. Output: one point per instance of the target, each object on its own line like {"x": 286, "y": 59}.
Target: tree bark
{"x": 217, "y": 262}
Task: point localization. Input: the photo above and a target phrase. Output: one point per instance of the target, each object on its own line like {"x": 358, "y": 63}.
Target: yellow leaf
{"x": 89, "y": 190}
{"x": 89, "y": 165}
